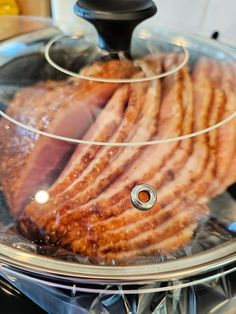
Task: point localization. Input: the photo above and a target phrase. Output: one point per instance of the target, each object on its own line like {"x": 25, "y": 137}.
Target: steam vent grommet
{"x": 143, "y": 197}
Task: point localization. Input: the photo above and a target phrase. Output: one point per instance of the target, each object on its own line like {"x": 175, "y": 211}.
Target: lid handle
{"x": 115, "y": 20}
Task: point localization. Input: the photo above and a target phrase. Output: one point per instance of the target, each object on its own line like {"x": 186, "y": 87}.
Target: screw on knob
{"x": 115, "y": 20}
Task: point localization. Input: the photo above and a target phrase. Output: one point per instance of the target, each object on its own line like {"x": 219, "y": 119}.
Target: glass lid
{"x": 117, "y": 161}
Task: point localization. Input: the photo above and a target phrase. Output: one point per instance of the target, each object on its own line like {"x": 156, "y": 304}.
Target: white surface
{"x": 63, "y": 10}
{"x": 194, "y": 16}
{"x": 181, "y": 14}
{"x": 63, "y": 14}
{"x": 221, "y": 16}
{"x": 170, "y": 12}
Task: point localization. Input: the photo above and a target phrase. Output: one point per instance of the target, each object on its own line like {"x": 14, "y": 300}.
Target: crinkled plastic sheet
{"x": 215, "y": 296}
{"x": 217, "y": 229}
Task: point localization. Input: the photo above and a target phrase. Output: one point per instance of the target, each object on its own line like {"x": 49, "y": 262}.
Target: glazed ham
{"x": 138, "y": 125}
{"x": 60, "y": 108}
{"x": 89, "y": 209}
{"x": 131, "y": 227}
{"x": 174, "y": 118}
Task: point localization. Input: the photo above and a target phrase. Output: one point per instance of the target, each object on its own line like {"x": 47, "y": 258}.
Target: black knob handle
{"x": 115, "y": 20}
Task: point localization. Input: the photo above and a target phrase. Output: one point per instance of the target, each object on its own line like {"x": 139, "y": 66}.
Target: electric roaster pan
{"x": 117, "y": 149}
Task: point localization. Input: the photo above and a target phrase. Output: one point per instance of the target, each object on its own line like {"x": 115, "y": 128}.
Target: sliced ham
{"x": 114, "y": 200}
{"x": 173, "y": 120}
{"x": 222, "y": 79}
{"x": 105, "y": 155}
{"x": 226, "y": 146}
{"x": 74, "y": 226}
{"x": 62, "y": 108}
{"x": 144, "y": 129}
{"x": 195, "y": 193}
{"x": 227, "y": 134}
{"x": 90, "y": 210}
{"x": 93, "y": 180}
{"x": 133, "y": 119}
{"x": 106, "y": 123}
{"x": 109, "y": 237}
{"x": 162, "y": 239}
{"x": 100, "y": 131}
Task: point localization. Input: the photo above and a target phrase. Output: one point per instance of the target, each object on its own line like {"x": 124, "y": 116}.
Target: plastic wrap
{"x": 215, "y": 294}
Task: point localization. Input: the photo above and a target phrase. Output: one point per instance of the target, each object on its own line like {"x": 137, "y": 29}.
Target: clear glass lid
{"x": 115, "y": 159}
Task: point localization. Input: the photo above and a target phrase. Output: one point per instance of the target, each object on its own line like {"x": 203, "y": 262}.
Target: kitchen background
{"x": 197, "y": 16}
